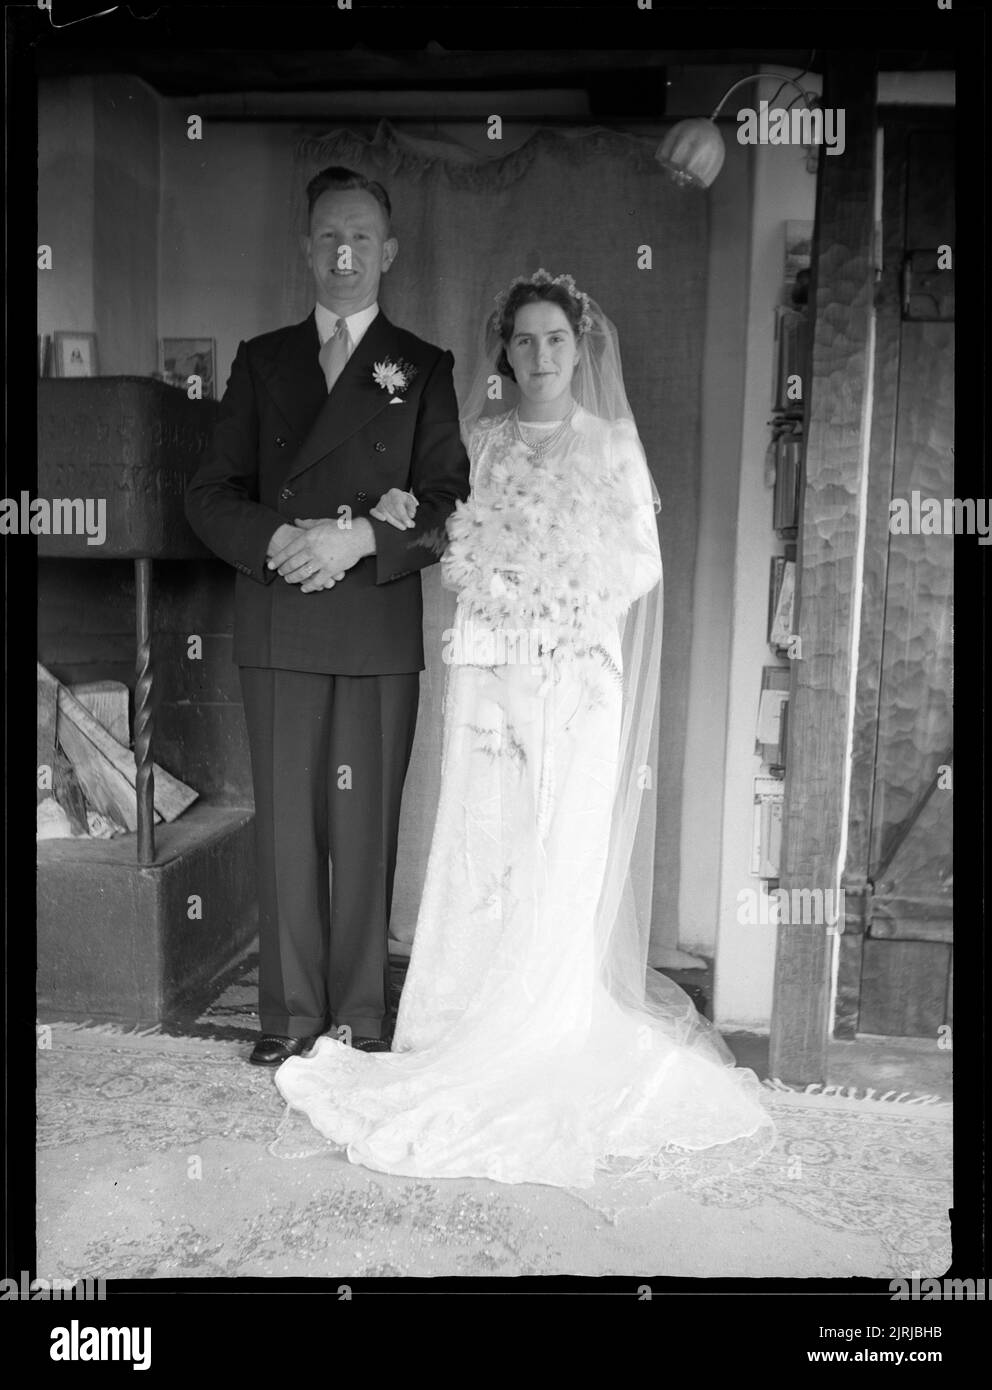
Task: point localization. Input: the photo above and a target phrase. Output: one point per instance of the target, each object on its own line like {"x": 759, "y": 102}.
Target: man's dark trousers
{"x": 329, "y": 754}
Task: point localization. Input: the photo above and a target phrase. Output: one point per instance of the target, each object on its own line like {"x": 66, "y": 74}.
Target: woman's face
{"x": 542, "y": 352}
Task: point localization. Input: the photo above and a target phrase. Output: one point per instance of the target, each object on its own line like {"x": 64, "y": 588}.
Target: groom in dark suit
{"x": 319, "y": 421}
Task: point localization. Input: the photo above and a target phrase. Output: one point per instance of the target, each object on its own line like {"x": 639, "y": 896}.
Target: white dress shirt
{"x": 358, "y": 323}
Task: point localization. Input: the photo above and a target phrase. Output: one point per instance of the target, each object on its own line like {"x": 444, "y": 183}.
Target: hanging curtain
{"x": 592, "y": 202}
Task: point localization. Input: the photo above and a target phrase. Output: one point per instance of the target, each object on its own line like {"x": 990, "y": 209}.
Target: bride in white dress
{"x": 533, "y": 1044}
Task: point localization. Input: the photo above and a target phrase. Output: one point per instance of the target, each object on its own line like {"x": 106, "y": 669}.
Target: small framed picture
{"x": 186, "y": 357}
{"x": 75, "y": 354}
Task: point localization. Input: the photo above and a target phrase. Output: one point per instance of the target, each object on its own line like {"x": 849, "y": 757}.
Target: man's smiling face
{"x": 348, "y": 249}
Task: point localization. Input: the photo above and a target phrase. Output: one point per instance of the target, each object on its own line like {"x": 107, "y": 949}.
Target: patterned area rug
{"x": 155, "y": 1161}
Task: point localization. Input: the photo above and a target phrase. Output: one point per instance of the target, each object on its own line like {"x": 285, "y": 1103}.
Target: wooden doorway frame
{"x": 828, "y": 557}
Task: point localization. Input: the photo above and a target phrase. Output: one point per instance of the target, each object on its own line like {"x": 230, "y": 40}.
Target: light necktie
{"x": 335, "y": 352}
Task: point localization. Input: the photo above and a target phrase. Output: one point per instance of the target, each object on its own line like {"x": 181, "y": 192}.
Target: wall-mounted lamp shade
{"x": 692, "y": 152}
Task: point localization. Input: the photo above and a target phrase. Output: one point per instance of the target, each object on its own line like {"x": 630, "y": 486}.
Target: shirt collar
{"x": 357, "y": 323}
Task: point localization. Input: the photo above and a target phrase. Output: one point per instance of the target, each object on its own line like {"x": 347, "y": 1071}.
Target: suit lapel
{"x": 355, "y": 400}
{"x": 292, "y": 374}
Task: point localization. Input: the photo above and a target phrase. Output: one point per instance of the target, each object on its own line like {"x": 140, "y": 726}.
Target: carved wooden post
{"x": 839, "y": 404}
{"x": 143, "y": 717}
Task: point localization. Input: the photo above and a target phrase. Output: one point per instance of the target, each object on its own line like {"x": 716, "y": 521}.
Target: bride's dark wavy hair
{"x": 533, "y": 294}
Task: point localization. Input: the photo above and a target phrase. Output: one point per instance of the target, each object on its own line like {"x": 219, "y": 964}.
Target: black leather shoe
{"x": 371, "y": 1044}
{"x": 272, "y": 1050}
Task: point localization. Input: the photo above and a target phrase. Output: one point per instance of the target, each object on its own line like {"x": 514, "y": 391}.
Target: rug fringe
{"x": 76, "y": 1034}
{"x": 90, "y": 1025}
{"x": 868, "y": 1094}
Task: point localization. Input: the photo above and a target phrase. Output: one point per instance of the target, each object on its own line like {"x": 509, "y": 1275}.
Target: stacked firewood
{"x": 86, "y": 769}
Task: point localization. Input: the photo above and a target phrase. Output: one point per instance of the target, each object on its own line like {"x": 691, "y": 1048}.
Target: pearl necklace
{"x": 539, "y": 449}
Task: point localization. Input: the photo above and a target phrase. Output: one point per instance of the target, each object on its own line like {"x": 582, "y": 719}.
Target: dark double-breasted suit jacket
{"x": 285, "y": 449}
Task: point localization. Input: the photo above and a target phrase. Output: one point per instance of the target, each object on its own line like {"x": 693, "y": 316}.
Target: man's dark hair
{"x": 335, "y": 178}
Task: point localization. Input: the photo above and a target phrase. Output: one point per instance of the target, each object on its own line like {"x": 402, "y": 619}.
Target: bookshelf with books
{"x": 784, "y": 474}
{"x": 792, "y": 349}
{"x": 786, "y": 446}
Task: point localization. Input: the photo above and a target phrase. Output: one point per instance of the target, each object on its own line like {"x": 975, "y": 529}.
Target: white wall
{"x": 65, "y": 205}
{"x": 217, "y": 275}
{"x": 126, "y": 218}
{"x": 781, "y": 191}
{"x": 98, "y": 194}
{"x": 720, "y": 461}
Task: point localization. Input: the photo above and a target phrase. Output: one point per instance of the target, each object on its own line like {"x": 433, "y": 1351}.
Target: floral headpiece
{"x": 539, "y": 280}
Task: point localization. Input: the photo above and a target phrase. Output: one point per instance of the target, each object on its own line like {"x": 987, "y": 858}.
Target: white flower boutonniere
{"x": 393, "y": 377}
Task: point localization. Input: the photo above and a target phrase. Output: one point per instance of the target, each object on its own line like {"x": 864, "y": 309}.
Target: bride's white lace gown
{"x": 510, "y": 1059}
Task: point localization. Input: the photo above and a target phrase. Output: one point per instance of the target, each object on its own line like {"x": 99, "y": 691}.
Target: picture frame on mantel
{"x": 181, "y": 358}
{"x": 75, "y": 354}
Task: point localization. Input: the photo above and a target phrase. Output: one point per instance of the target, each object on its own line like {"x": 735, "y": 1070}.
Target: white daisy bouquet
{"x": 541, "y": 548}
